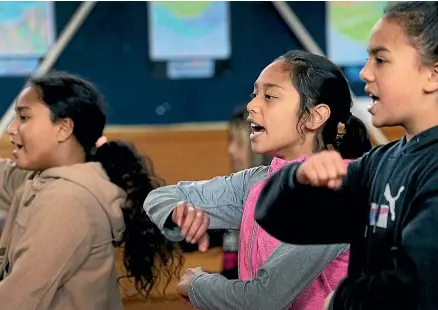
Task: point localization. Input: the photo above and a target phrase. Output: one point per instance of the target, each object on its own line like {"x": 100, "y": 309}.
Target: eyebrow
{"x": 269, "y": 85}
{"x": 21, "y": 108}
{"x": 377, "y": 49}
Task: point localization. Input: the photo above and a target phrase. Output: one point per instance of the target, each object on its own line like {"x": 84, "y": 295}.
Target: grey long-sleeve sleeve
{"x": 221, "y": 197}
{"x": 288, "y": 272}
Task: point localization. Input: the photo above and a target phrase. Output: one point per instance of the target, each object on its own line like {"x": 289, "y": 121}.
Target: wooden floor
{"x": 157, "y": 304}
{"x": 210, "y": 261}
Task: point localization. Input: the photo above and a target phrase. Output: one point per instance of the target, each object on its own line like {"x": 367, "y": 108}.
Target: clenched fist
{"x": 193, "y": 222}
{"x": 325, "y": 169}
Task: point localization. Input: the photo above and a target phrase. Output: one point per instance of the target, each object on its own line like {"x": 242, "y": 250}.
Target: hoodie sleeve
{"x": 11, "y": 178}
{"x": 289, "y": 270}
{"x": 340, "y": 212}
{"x": 57, "y": 240}
{"x": 410, "y": 279}
{"x": 221, "y": 197}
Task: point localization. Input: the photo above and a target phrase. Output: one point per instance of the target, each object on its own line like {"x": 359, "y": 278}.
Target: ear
{"x": 319, "y": 115}
{"x": 431, "y": 84}
{"x": 65, "y": 129}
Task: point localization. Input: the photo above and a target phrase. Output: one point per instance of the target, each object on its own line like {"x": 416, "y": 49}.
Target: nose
{"x": 252, "y": 105}
{"x": 366, "y": 74}
{"x": 12, "y": 128}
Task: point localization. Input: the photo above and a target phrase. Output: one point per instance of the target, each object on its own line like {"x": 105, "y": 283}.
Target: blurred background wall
{"x": 111, "y": 49}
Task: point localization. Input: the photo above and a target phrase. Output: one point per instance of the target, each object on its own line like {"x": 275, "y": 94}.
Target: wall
{"x": 187, "y": 153}
{"x": 177, "y": 153}
{"x": 111, "y": 48}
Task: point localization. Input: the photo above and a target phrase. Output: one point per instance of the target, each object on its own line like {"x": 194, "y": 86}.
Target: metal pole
{"x": 298, "y": 29}
{"x": 52, "y": 56}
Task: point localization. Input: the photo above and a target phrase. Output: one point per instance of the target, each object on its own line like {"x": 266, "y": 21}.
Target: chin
{"x": 379, "y": 122}
{"x": 258, "y": 149}
{"x": 24, "y": 165}
{"x": 21, "y": 165}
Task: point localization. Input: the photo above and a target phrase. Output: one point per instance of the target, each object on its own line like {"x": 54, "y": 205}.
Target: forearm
{"x": 161, "y": 202}
{"x": 221, "y": 198}
{"x": 286, "y": 274}
{"x": 215, "y": 292}
{"x": 286, "y": 209}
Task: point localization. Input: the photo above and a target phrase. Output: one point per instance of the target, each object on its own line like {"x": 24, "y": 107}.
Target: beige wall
{"x": 182, "y": 152}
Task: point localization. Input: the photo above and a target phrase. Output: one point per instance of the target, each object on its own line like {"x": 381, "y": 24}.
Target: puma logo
{"x": 391, "y": 200}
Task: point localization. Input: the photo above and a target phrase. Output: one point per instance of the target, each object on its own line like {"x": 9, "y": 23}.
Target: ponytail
{"x": 354, "y": 141}
{"x": 146, "y": 252}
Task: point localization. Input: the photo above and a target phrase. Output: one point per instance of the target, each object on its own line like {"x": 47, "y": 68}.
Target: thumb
{"x": 301, "y": 175}
{"x": 178, "y": 213}
{"x": 204, "y": 243}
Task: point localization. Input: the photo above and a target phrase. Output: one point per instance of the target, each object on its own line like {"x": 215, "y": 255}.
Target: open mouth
{"x": 17, "y": 147}
{"x": 256, "y": 130}
{"x": 375, "y": 100}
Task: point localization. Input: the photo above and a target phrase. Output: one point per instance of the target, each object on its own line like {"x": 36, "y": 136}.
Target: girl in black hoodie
{"x": 386, "y": 203}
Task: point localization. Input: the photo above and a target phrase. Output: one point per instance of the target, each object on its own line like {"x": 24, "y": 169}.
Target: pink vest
{"x": 256, "y": 245}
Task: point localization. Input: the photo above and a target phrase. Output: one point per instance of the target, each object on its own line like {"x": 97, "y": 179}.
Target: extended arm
{"x": 303, "y": 214}
{"x": 221, "y": 197}
{"x": 289, "y": 270}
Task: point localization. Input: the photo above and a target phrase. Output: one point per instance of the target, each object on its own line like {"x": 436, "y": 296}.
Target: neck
{"x": 295, "y": 152}
{"x": 415, "y": 128}
{"x": 424, "y": 117}
{"x": 68, "y": 156}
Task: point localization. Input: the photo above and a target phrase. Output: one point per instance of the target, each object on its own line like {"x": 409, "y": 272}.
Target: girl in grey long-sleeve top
{"x": 285, "y": 122}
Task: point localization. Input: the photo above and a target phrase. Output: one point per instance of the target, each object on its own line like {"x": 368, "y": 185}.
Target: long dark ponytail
{"x": 147, "y": 253}
{"x": 353, "y": 141}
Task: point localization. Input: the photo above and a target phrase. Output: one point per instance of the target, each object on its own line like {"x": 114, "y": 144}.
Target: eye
{"x": 24, "y": 118}
{"x": 269, "y": 97}
{"x": 380, "y": 60}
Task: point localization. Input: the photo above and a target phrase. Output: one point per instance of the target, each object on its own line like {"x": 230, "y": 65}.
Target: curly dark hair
{"x": 147, "y": 253}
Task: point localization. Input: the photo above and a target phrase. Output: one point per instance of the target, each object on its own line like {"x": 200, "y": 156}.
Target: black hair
{"x": 318, "y": 81}
{"x": 147, "y": 253}
{"x": 419, "y": 20}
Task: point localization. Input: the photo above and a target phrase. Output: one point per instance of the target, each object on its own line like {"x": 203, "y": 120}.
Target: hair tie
{"x": 101, "y": 141}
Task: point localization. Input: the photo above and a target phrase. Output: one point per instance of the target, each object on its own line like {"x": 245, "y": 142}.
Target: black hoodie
{"x": 386, "y": 208}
